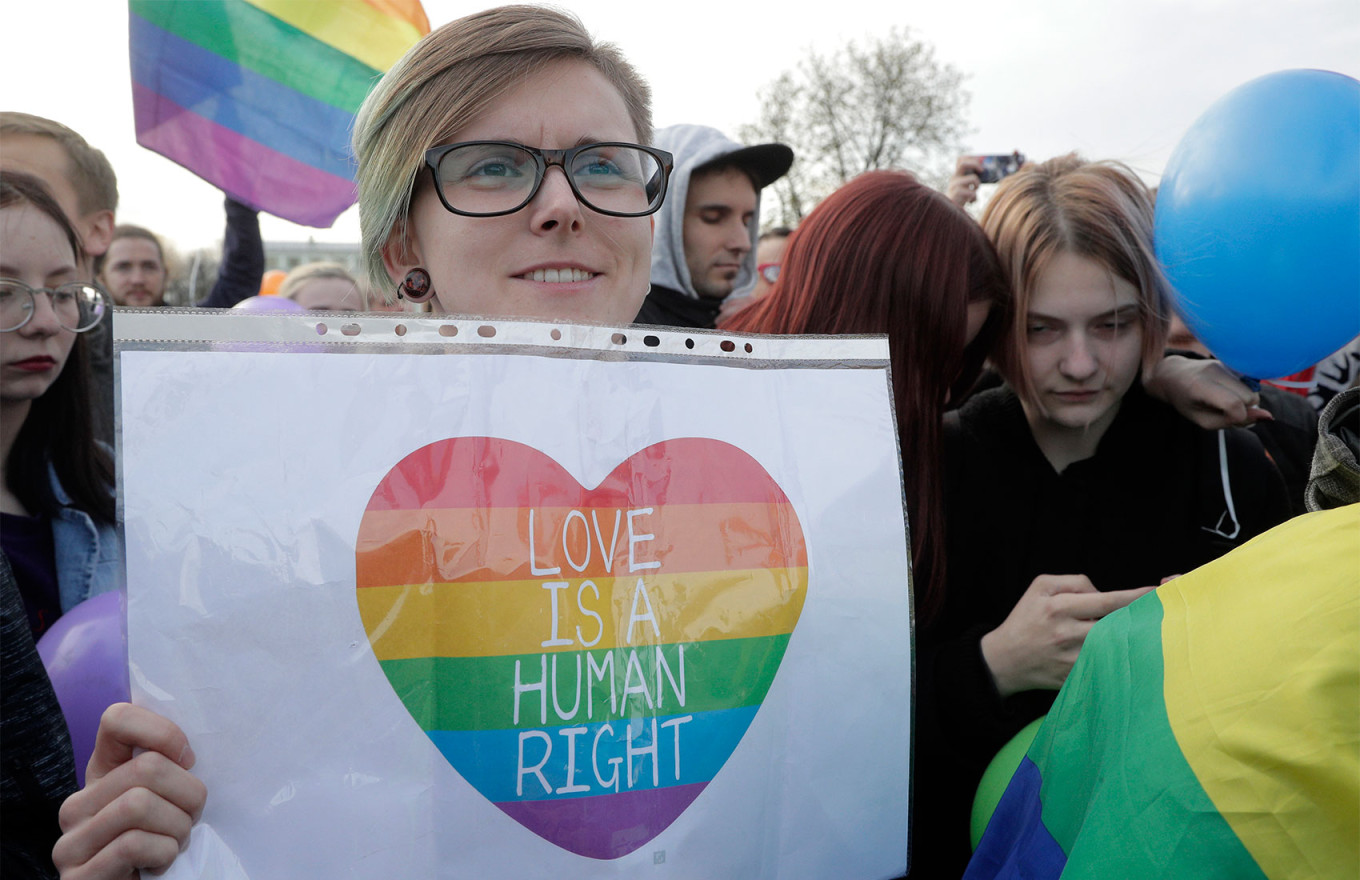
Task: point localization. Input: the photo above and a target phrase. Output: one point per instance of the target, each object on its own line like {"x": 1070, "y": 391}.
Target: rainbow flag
{"x": 1209, "y": 730}
{"x": 258, "y": 96}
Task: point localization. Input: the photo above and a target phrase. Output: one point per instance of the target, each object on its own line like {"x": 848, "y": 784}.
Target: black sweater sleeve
{"x": 35, "y": 749}
{"x": 242, "y": 266}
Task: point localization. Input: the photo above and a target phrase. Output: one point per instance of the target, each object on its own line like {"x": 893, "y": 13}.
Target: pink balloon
{"x": 85, "y": 653}
{"x": 268, "y": 304}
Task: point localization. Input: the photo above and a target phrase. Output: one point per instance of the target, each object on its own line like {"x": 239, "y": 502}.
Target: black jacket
{"x": 39, "y": 771}
{"x": 1150, "y": 503}
{"x": 665, "y": 307}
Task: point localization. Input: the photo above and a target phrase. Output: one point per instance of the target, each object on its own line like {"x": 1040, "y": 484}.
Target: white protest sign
{"x": 441, "y": 598}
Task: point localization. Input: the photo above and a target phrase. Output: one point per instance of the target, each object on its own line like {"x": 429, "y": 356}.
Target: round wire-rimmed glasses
{"x": 78, "y": 306}
{"x": 493, "y": 178}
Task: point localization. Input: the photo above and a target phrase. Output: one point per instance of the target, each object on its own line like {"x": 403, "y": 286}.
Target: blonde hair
{"x": 1097, "y": 210}
{"x": 88, "y": 171}
{"x": 298, "y": 277}
{"x": 445, "y": 81}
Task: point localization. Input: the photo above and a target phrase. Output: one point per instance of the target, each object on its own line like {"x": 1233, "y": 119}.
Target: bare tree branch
{"x": 884, "y": 104}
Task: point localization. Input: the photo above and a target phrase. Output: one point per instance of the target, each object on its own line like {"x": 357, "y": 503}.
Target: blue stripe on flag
{"x": 1016, "y": 843}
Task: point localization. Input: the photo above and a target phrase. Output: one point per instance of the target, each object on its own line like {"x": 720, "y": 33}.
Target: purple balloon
{"x": 85, "y": 653}
{"x": 268, "y": 304}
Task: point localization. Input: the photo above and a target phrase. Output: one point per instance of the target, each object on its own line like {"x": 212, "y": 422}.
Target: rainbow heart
{"x": 587, "y": 659}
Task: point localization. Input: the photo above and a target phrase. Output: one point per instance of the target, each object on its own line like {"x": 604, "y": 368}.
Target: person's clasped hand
{"x": 139, "y": 801}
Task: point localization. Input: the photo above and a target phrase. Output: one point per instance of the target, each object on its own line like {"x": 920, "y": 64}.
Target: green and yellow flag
{"x": 1209, "y": 730}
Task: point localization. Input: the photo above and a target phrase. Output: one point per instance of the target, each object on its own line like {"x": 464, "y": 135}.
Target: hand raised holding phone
{"x": 970, "y": 171}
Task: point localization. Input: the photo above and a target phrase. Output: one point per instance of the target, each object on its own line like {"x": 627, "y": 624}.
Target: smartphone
{"x": 996, "y": 167}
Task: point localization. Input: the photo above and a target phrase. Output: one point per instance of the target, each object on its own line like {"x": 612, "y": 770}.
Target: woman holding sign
{"x": 458, "y": 202}
{"x": 503, "y": 172}
{"x": 1071, "y": 491}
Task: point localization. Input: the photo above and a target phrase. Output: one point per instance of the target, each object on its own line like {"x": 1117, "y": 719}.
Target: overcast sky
{"x": 1119, "y": 79}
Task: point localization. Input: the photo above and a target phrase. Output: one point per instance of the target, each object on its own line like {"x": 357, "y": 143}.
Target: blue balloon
{"x": 1258, "y": 222}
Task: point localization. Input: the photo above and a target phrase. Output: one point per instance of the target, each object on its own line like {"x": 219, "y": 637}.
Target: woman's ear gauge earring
{"x": 415, "y": 287}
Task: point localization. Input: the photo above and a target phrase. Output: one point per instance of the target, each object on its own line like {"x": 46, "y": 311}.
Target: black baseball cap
{"x": 765, "y": 163}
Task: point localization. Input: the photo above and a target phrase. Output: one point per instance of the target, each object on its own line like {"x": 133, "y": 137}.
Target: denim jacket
{"x": 89, "y": 555}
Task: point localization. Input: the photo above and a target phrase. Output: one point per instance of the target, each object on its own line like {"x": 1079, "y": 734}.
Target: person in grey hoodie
{"x": 702, "y": 247}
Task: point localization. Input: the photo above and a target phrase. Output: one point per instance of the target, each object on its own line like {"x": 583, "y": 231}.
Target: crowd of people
{"x": 1041, "y": 413}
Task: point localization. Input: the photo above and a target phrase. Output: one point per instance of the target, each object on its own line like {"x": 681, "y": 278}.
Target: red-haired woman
{"x": 887, "y": 254}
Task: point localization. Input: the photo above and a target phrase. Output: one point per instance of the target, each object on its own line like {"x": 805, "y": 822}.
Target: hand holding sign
{"x": 140, "y": 800}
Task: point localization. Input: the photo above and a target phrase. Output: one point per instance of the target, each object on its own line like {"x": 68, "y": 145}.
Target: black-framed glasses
{"x": 78, "y": 306}
{"x": 491, "y": 178}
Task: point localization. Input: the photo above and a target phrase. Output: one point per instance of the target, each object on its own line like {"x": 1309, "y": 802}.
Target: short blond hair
{"x": 88, "y": 172}
{"x": 1097, "y": 210}
{"x": 299, "y": 276}
{"x": 445, "y": 81}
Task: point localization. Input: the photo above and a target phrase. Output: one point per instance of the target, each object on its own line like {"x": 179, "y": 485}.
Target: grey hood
{"x": 692, "y": 146}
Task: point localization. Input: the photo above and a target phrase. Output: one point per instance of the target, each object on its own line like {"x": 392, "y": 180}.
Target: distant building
{"x": 288, "y": 255}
